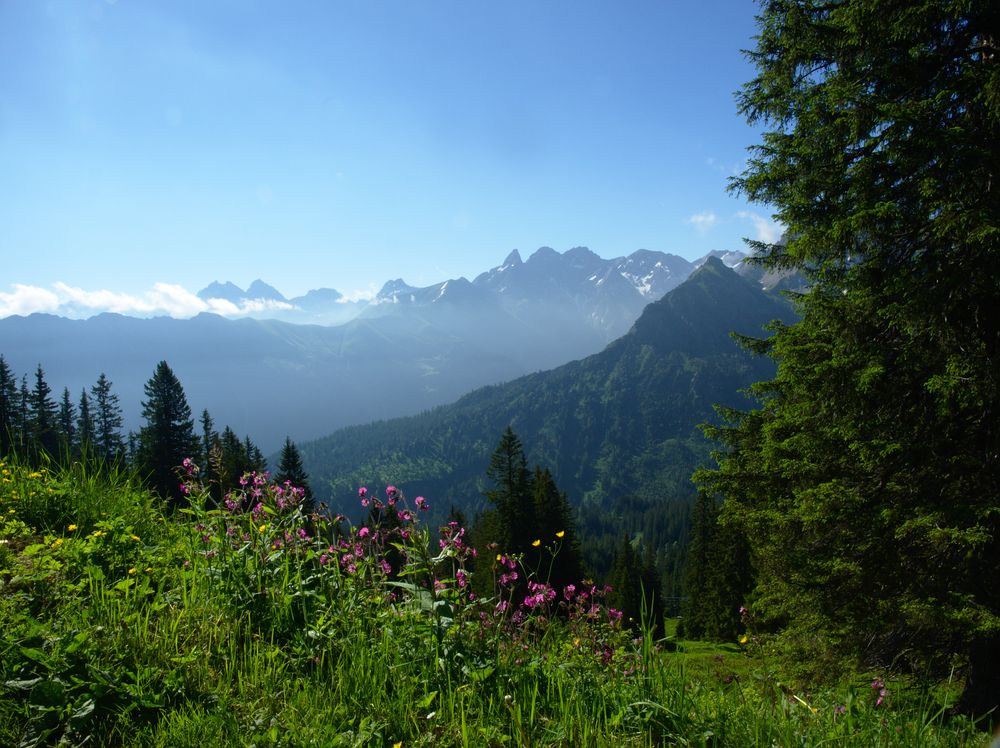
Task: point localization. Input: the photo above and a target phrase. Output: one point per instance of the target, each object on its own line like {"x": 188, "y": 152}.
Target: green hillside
{"x": 618, "y": 430}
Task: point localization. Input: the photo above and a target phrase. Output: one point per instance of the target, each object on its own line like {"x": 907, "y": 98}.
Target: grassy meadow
{"x": 248, "y": 622}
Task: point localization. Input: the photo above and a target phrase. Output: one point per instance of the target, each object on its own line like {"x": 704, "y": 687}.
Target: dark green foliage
{"x": 867, "y": 483}
{"x": 67, "y": 422}
{"x": 511, "y": 494}
{"x": 531, "y": 519}
{"x": 108, "y": 443}
{"x": 557, "y": 555}
{"x": 232, "y": 458}
{"x": 168, "y": 436}
{"x": 84, "y": 423}
{"x": 290, "y": 469}
{"x": 9, "y": 425}
{"x": 208, "y": 437}
{"x": 636, "y": 589}
{"x": 617, "y": 430}
{"x": 718, "y": 576}
{"x": 43, "y": 418}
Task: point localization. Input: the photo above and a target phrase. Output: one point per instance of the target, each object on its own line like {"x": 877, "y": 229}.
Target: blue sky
{"x": 149, "y": 148}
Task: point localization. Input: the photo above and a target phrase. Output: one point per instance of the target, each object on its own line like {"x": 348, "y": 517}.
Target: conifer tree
{"x": 107, "y": 417}
{"x": 636, "y": 588}
{"x": 290, "y": 469}
{"x": 626, "y": 591}
{"x": 67, "y": 422}
{"x": 43, "y": 417}
{"x": 84, "y": 424}
{"x": 867, "y": 480}
{"x": 557, "y": 557}
{"x": 9, "y": 426}
{"x": 717, "y": 577}
{"x": 511, "y": 494}
{"x": 208, "y": 435}
{"x": 255, "y": 458}
{"x": 168, "y": 436}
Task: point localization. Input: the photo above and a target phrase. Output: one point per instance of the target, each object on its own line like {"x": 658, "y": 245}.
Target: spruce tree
{"x": 511, "y": 494}
{"x": 557, "y": 556}
{"x": 232, "y": 461}
{"x": 290, "y": 469}
{"x": 43, "y": 417}
{"x": 626, "y": 583}
{"x": 84, "y": 424}
{"x": 168, "y": 435}
{"x": 867, "y": 480}
{"x": 107, "y": 417}
{"x": 208, "y": 435}
{"x": 67, "y": 422}
{"x": 255, "y": 458}
{"x": 9, "y": 426}
{"x": 718, "y": 575}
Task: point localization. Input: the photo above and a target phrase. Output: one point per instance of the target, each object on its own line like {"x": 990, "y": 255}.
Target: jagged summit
{"x": 261, "y": 290}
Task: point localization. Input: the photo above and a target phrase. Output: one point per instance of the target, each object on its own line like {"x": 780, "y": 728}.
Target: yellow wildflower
{"x": 262, "y": 527}
{"x": 58, "y": 542}
{"x": 97, "y": 533}
{"x": 71, "y": 528}
{"x": 499, "y": 557}
{"x": 744, "y": 639}
{"x": 536, "y": 543}
{"x": 561, "y": 533}
{"x": 131, "y": 571}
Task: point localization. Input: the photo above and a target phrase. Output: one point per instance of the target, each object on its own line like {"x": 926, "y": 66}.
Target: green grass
{"x": 123, "y": 626}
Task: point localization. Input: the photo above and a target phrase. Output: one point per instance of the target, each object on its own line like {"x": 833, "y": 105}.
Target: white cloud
{"x": 162, "y": 298}
{"x": 364, "y": 294}
{"x": 252, "y": 306}
{"x": 223, "y": 307}
{"x": 28, "y": 300}
{"x": 175, "y": 300}
{"x": 703, "y": 222}
{"x": 100, "y": 301}
{"x": 766, "y": 229}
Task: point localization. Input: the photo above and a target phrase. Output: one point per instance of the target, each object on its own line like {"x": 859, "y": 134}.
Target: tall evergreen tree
{"x": 43, "y": 417}
{"x": 168, "y": 436}
{"x": 558, "y": 553}
{"x": 290, "y": 469}
{"x": 208, "y": 435}
{"x": 868, "y": 480}
{"x": 511, "y": 494}
{"x": 24, "y": 413}
{"x": 9, "y": 425}
{"x": 718, "y": 576}
{"x": 84, "y": 424}
{"x": 67, "y": 422}
{"x": 255, "y": 458}
{"x": 108, "y": 440}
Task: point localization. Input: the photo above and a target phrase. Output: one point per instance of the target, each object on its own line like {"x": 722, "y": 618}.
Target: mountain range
{"x": 609, "y": 293}
{"x": 618, "y": 429}
{"x": 405, "y": 351}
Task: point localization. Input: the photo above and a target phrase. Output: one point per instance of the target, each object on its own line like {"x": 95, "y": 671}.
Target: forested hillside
{"x": 618, "y": 430}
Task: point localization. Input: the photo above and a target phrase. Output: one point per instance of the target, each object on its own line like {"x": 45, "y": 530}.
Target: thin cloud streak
{"x": 766, "y": 229}
{"x": 703, "y": 222}
{"x": 162, "y": 299}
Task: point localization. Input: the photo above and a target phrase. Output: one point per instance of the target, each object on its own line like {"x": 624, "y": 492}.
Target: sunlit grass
{"x": 252, "y": 624}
